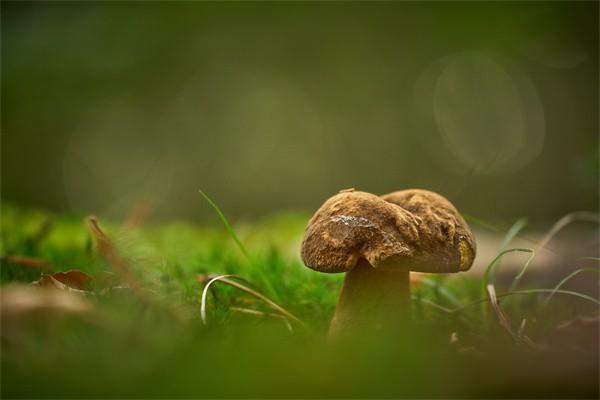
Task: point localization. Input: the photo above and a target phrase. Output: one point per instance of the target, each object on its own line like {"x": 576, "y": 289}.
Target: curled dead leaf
{"x": 73, "y": 279}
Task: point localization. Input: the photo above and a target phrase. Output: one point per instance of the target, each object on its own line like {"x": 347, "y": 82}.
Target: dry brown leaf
{"x": 77, "y": 281}
{"x": 48, "y": 281}
{"x": 74, "y": 278}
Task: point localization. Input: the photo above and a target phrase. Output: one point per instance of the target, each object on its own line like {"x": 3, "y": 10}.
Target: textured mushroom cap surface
{"x": 413, "y": 229}
{"x": 446, "y": 242}
{"x": 352, "y": 225}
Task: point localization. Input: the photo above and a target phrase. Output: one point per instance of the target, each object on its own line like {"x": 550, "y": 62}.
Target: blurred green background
{"x": 270, "y": 106}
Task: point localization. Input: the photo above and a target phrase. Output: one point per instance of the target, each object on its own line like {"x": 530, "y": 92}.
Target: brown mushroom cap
{"x": 446, "y": 242}
{"x": 352, "y": 225}
{"x": 413, "y": 229}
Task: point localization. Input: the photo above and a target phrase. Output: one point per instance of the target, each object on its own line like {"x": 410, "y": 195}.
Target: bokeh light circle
{"x": 487, "y": 113}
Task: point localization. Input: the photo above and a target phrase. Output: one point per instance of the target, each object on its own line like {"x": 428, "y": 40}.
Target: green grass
{"x": 158, "y": 346}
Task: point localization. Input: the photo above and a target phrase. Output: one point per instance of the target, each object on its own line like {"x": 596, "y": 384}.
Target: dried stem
{"x": 108, "y": 250}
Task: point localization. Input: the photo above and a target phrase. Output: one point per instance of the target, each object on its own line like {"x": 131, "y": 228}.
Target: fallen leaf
{"x": 48, "y": 281}
{"x": 74, "y": 278}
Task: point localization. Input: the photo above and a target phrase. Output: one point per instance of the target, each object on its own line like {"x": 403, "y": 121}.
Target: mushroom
{"x": 377, "y": 241}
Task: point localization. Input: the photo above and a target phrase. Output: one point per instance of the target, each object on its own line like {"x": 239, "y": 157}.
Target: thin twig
{"x": 30, "y": 262}
{"x": 108, "y": 251}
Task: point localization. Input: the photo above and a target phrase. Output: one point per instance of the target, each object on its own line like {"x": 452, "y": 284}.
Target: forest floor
{"x": 96, "y": 308}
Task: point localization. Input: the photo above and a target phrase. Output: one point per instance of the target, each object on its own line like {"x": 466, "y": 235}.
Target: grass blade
{"x": 588, "y": 259}
{"x": 228, "y": 226}
{"x": 567, "y": 292}
{"x": 518, "y": 277}
{"x": 557, "y": 227}
{"x": 257, "y": 313}
{"x": 442, "y": 290}
{"x": 226, "y": 279}
{"x": 431, "y": 303}
{"x": 567, "y": 278}
{"x": 531, "y": 291}
{"x": 205, "y": 294}
{"x": 240, "y": 245}
{"x": 584, "y": 216}
{"x": 502, "y": 318}
{"x": 513, "y": 232}
{"x": 481, "y": 223}
{"x": 491, "y": 266}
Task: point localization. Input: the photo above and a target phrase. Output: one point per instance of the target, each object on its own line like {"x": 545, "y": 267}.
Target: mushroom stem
{"x": 371, "y": 298}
